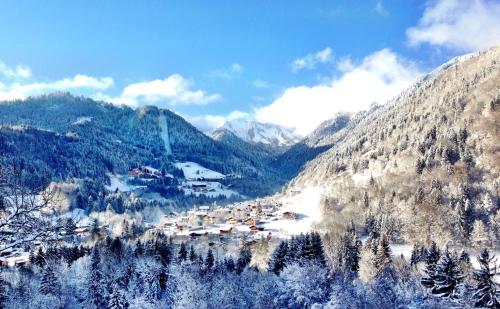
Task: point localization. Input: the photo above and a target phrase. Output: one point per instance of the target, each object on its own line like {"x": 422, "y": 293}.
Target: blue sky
{"x": 216, "y": 60}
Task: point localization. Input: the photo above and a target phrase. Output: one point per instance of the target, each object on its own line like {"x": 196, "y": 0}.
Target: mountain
{"x": 320, "y": 140}
{"x": 59, "y": 136}
{"x": 261, "y": 133}
{"x": 428, "y": 158}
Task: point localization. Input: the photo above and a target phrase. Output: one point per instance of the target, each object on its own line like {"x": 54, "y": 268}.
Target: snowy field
{"x": 194, "y": 171}
{"x": 307, "y": 207}
{"x": 213, "y": 189}
{"x": 120, "y": 182}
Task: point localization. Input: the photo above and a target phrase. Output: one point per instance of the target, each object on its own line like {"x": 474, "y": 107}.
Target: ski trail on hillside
{"x": 162, "y": 121}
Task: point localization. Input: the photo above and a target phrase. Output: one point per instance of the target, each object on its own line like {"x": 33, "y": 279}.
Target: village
{"x": 270, "y": 218}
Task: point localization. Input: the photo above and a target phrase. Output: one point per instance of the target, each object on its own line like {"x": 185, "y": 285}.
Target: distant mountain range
{"x": 261, "y": 133}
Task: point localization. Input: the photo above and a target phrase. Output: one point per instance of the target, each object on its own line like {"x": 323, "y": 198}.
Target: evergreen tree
{"x": 70, "y": 227}
{"x": 431, "y": 260}
{"x": 487, "y": 291}
{"x": 40, "y": 258}
{"x": 415, "y": 255}
{"x": 244, "y": 259}
{"x": 350, "y": 247}
{"x": 278, "y": 259}
{"x": 182, "y": 256}
{"x": 3, "y": 292}
{"x": 95, "y": 287}
{"x": 317, "y": 247}
{"x": 49, "y": 283}
{"x": 139, "y": 249}
{"x": 448, "y": 276}
{"x": 117, "y": 299}
{"x": 465, "y": 218}
{"x": 210, "y": 260}
{"x": 383, "y": 255}
{"x": 192, "y": 254}
{"x": 95, "y": 232}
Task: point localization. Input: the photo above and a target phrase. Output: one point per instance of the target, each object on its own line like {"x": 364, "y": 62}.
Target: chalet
{"x": 255, "y": 228}
{"x": 222, "y": 212}
{"x": 250, "y": 221}
{"x": 289, "y": 215}
{"x": 232, "y": 221}
{"x": 225, "y": 229}
{"x": 204, "y": 208}
{"x": 198, "y": 185}
{"x": 180, "y": 226}
{"x": 195, "y": 232}
{"x": 145, "y": 172}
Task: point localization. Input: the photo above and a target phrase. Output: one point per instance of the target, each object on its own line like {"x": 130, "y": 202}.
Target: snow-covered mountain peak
{"x": 265, "y": 133}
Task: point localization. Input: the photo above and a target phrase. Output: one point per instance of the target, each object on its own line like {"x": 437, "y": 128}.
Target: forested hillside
{"x": 60, "y": 136}
{"x": 423, "y": 165}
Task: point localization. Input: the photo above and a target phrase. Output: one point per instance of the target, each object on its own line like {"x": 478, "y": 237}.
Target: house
{"x": 145, "y": 172}
{"x": 198, "y": 185}
{"x": 250, "y": 221}
{"x": 204, "y": 208}
{"x": 255, "y": 228}
{"x": 232, "y": 221}
{"x": 180, "y": 226}
{"x": 289, "y": 215}
{"x": 225, "y": 229}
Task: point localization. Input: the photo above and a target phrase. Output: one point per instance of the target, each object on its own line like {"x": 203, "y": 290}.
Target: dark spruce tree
{"x": 487, "y": 291}
{"x": 278, "y": 259}
{"x": 431, "y": 259}
{"x": 182, "y": 256}
{"x": 448, "y": 276}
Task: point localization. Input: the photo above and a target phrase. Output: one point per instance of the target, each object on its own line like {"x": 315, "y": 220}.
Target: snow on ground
{"x": 164, "y": 133}
{"x": 213, "y": 189}
{"x": 82, "y": 120}
{"x": 194, "y": 171}
{"x": 120, "y": 182}
{"x": 306, "y": 205}
{"x": 364, "y": 178}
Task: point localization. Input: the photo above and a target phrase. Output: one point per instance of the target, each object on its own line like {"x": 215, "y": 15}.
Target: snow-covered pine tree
{"x": 3, "y": 292}
{"x": 383, "y": 256}
{"x": 350, "y": 251}
{"x": 278, "y": 259}
{"x": 139, "y": 248}
{"x": 49, "y": 283}
{"x": 415, "y": 255}
{"x": 464, "y": 214}
{"x": 480, "y": 236}
{"x": 96, "y": 296}
{"x": 487, "y": 291}
{"x": 117, "y": 300}
{"x": 431, "y": 260}
{"x": 448, "y": 276}
{"x": 317, "y": 248}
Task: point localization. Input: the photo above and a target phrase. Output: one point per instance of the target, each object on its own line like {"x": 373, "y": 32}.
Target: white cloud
{"x": 379, "y": 77}
{"x": 208, "y": 123}
{"x": 260, "y": 84}
{"x": 173, "y": 90}
{"x": 19, "y": 72}
{"x": 459, "y": 25}
{"x": 233, "y": 71}
{"x": 380, "y": 9}
{"x": 78, "y": 82}
{"x": 311, "y": 60}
